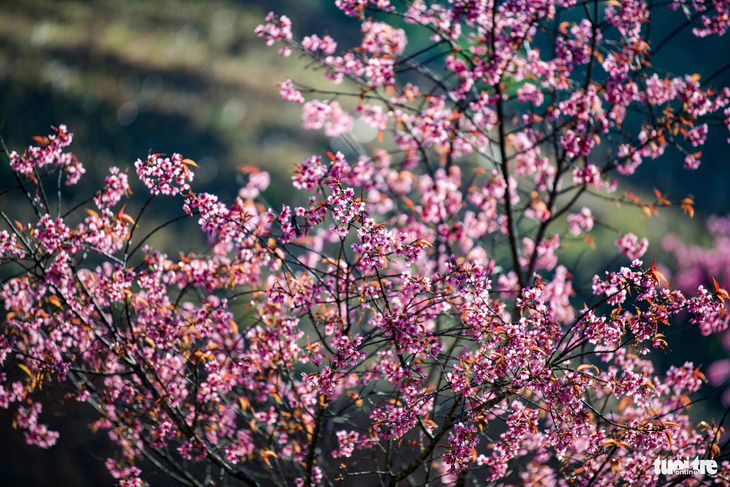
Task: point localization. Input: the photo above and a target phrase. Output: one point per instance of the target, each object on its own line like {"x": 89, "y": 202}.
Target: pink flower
{"x": 314, "y": 43}
{"x": 328, "y": 115}
{"x": 631, "y": 246}
{"x": 289, "y": 93}
{"x": 50, "y": 152}
{"x": 718, "y": 372}
{"x": 347, "y": 442}
{"x": 580, "y": 222}
{"x": 697, "y": 135}
{"x": 590, "y": 176}
{"x": 165, "y": 175}
{"x": 116, "y": 185}
{"x": 277, "y": 29}
{"x": 258, "y": 181}
{"x": 380, "y": 38}
{"x": 9, "y": 245}
{"x": 355, "y": 8}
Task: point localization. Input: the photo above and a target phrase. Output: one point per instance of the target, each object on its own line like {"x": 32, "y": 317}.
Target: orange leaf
{"x": 409, "y": 94}
{"x": 699, "y": 375}
{"x": 245, "y": 404}
{"x": 611, "y": 442}
{"x": 123, "y": 216}
{"x": 423, "y": 243}
{"x": 715, "y": 450}
{"x": 687, "y": 206}
{"x": 616, "y": 464}
{"x": 126, "y": 218}
{"x": 247, "y": 169}
{"x": 53, "y": 299}
{"x": 720, "y": 292}
{"x": 587, "y": 366}
{"x": 25, "y": 369}
{"x": 633, "y": 197}
{"x": 268, "y": 453}
{"x": 658, "y": 276}
{"x": 540, "y": 206}
{"x": 669, "y": 438}
{"x": 189, "y": 162}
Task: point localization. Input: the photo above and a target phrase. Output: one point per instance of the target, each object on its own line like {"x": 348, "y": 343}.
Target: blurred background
{"x": 130, "y": 76}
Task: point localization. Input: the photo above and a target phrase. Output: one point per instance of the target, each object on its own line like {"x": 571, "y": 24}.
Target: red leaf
{"x": 658, "y": 276}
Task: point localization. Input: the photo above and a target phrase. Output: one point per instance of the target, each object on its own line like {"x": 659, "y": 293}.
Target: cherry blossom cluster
{"x": 716, "y": 18}
{"x": 289, "y": 93}
{"x": 705, "y": 268}
{"x": 631, "y": 246}
{"x": 581, "y": 222}
{"x": 49, "y": 152}
{"x": 328, "y": 115}
{"x": 258, "y": 181}
{"x": 165, "y": 175}
{"x": 9, "y": 245}
{"x": 116, "y": 186}
{"x": 421, "y": 310}
{"x": 277, "y": 29}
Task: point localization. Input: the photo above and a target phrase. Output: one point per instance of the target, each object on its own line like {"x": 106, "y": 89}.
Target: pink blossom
{"x": 258, "y": 181}
{"x": 50, "y": 152}
{"x": 9, "y": 245}
{"x": 697, "y": 135}
{"x": 718, "y": 372}
{"x": 380, "y": 38}
{"x": 630, "y": 245}
{"x": 165, "y": 175}
{"x": 116, "y": 185}
{"x": 289, "y": 93}
{"x": 580, "y": 222}
{"x": 413, "y": 295}
{"x": 277, "y": 29}
{"x": 355, "y": 8}
{"x": 590, "y": 176}
{"x": 327, "y": 115}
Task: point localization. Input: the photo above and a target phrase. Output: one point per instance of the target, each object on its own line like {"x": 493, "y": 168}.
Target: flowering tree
{"x": 414, "y": 321}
